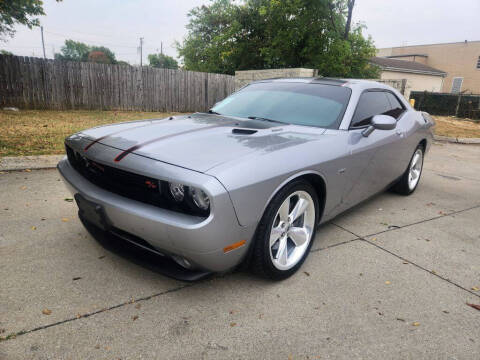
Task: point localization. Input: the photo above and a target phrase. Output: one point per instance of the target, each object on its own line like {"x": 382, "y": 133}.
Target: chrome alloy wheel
{"x": 292, "y": 230}
{"x": 415, "y": 169}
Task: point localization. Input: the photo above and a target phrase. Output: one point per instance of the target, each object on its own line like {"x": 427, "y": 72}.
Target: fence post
{"x": 403, "y": 86}
{"x": 458, "y": 104}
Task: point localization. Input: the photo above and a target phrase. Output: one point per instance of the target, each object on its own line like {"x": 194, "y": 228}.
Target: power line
{"x": 79, "y": 39}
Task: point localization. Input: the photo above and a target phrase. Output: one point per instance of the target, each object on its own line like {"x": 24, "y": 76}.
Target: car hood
{"x": 200, "y": 141}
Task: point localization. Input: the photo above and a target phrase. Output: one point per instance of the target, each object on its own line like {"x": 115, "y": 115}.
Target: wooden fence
{"x": 33, "y": 83}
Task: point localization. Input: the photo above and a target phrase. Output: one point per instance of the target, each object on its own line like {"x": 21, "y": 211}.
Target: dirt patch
{"x": 455, "y": 127}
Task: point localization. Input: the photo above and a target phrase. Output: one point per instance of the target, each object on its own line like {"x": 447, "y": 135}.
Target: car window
{"x": 397, "y": 108}
{"x": 371, "y": 103}
{"x": 293, "y": 103}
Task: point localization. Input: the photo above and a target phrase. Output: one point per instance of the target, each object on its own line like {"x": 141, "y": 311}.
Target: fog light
{"x": 182, "y": 261}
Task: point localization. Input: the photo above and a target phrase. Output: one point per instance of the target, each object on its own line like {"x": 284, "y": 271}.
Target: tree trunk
{"x": 351, "y": 3}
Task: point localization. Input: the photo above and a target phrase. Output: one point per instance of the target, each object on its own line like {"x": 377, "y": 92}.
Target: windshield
{"x": 292, "y": 103}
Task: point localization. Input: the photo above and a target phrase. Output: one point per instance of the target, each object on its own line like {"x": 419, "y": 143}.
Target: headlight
{"x": 190, "y": 198}
{"x": 177, "y": 191}
{"x": 200, "y": 199}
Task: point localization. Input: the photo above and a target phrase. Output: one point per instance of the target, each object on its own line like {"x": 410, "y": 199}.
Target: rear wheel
{"x": 409, "y": 180}
{"x": 286, "y": 232}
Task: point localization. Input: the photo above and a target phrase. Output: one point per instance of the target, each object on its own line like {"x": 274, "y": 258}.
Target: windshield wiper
{"x": 213, "y": 112}
{"x": 264, "y": 119}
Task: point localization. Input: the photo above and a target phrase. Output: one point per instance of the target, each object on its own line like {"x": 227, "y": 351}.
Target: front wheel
{"x": 286, "y": 232}
{"x": 409, "y": 180}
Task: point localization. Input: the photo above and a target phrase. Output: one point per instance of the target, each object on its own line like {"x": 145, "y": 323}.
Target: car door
{"x": 374, "y": 157}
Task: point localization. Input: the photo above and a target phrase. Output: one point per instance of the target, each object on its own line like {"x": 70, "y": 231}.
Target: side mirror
{"x": 380, "y": 122}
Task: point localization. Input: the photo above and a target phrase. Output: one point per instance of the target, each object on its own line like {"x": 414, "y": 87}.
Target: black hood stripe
{"x": 140, "y": 145}
{"x": 120, "y": 131}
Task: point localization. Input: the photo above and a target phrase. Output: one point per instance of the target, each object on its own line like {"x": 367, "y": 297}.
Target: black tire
{"x": 402, "y": 186}
{"x": 260, "y": 261}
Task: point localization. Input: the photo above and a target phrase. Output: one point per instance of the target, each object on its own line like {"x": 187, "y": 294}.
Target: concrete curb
{"x": 10, "y": 163}
{"x": 457, "y": 140}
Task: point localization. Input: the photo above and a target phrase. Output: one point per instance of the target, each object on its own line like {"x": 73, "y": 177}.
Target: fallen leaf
{"x": 2, "y": 331}
{"x": 306, "y": 273}
{"x": 28, "y": 170}
{"x": 405, "y": 262}
{"x": 387, "y": 282}
{"x": 475, "y": 306}
{"x": 475, "y": 288}
{"x": 76, "y": 278}
{"x": 232, "y": 312}
{"x": 232, "y": 324}
{"x": 446, "y": 311}
{"x": 46, "y": 311}
{"x": 34, "y": 228}
{"x": 101, "y": 257}
{"x": 68, "y": 199}
{"x": 135, "y": 317}
{"x": 138, "y": 306}
{"x": 400, "y": 319}
{"x": 23, "y": 188}
{"x": 416, "y": 323}
{"x": 433, "y": 272}
{"x": 260, "y": 316}
{"x": 65, "y": 219}
{"x": 97, "y": 346}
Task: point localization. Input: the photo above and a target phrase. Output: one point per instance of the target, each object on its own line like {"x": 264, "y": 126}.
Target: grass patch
{"x": 455, "y": 127}
{"x": 32, "y": 132}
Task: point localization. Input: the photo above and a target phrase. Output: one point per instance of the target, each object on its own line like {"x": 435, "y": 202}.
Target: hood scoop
{"x": 244, "y": 131}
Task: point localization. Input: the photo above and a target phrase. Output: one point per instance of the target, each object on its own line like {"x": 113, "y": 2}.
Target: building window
{"x": 478, "y": 63}
{"x": 457, "y": 85}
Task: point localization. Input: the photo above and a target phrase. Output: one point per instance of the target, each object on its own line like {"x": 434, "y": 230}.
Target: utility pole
{"x": 43, "y": 42}
{"x": 141, "y": 51}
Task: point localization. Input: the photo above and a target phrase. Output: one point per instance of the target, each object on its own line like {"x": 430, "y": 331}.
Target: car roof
{"x": 359, "y": 84}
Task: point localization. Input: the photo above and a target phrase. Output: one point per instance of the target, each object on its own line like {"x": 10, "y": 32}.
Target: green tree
{"x": 78, "y": 51}
{"x": 229, "y": 35}
{"x": 73, "y": 51}
{"x": 22, "y": 12}
{"x": 162, "y": 61}
{"x": 5, "y": 52}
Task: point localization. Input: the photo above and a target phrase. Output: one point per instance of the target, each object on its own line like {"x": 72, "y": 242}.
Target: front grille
{"x": 127, "y": 184}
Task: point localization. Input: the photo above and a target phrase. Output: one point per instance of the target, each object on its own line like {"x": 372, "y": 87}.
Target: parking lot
{"x": 389, "y": 279}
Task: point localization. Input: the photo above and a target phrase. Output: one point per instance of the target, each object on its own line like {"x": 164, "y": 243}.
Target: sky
{"x": 119, "y": 24}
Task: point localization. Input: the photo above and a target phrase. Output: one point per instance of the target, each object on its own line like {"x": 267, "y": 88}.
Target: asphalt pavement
{"x": 389, "y": 279}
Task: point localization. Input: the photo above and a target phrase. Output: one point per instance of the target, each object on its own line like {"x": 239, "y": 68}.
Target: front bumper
{"x": 200, "y": 241}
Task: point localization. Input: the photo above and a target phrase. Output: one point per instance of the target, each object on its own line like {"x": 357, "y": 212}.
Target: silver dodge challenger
{"x": 250, "y": 181}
